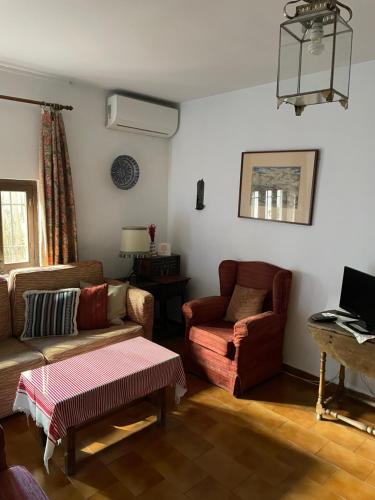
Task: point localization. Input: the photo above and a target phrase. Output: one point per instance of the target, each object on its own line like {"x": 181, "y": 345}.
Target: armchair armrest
{"x": 205, "y": 309}
{"x": 267, "y": 323}
{"x": 3, "y": 463}
{"x": 139, "y": 307}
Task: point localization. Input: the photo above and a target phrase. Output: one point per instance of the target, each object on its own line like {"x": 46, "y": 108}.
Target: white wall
{"x": 213, "y": 133}
{"x": 102, "y": 209}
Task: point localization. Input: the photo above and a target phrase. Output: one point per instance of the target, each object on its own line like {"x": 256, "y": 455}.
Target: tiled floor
{"x": 215, "y": 447}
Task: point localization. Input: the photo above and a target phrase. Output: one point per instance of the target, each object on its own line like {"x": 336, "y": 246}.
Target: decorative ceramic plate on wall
{"x": 125, "y": 172}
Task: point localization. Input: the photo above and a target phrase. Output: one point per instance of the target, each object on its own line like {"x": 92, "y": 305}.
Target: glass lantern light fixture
{"x": 315, "y": 53}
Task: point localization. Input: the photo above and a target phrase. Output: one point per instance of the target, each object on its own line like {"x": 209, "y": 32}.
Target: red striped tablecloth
{"x": 70, "y": 392}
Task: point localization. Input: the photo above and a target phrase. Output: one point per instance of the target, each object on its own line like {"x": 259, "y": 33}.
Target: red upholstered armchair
{"x": 236, "y": 356}
{"x": 16, "y": 483}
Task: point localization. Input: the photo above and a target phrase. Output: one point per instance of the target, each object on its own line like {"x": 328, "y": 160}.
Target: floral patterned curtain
{"x": 57, "y": 188}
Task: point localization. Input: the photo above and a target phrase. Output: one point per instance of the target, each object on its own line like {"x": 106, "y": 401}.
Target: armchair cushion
{"x": 245, "y": 302}
{"x": 261, "y": 324}
{"x": 216, "y": 336}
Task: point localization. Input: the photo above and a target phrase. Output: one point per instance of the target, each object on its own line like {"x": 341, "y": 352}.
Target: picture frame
{"x": 164, "y": 249}
{"x": 278, "y": 186}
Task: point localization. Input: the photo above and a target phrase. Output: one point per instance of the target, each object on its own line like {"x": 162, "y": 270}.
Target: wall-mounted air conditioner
{"x": 141, "y": 117}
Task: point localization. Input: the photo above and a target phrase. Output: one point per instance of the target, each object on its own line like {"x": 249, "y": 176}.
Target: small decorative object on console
{"x": 164, "y": 249}
{"x": 151, "y": 232}
{"x": 125, "y": 172}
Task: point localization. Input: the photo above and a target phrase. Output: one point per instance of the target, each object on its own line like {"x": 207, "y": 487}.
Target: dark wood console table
{"x": 342, "y": 346}
{"x": 164, "y": 288}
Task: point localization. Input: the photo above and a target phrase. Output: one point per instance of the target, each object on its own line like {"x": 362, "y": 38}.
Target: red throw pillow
{"x": 92, "y": 308}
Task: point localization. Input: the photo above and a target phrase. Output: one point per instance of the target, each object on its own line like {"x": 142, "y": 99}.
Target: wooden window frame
{"x": 30, "y": 187}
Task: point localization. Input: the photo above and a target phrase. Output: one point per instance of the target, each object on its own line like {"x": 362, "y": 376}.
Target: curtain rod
{"x": 39, "y": 103}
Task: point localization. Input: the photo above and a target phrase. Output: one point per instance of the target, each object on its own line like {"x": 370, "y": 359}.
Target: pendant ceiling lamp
{"x": 315, "y": 53}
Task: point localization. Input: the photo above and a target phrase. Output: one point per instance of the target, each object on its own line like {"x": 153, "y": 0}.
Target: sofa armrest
{"x": 140, "y": 308}
{"x": 205, "y": 309}
{"x": 3, "y": 462}
{"x": 267, "y": 323}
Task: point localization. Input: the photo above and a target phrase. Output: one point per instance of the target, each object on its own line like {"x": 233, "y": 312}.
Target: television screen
{"x": 358, "y": 295}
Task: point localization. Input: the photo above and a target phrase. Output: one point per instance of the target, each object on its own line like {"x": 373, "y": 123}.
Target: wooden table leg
{"x": 341, "y": 386}
{"x": 162, "y": 406}
{"x": 321, "y": 396}
{"x": 43, "y": 437}
{"x": 70, "y": 452}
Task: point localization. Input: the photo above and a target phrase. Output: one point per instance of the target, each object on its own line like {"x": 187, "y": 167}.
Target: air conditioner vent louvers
{"x": 141, "y": 117}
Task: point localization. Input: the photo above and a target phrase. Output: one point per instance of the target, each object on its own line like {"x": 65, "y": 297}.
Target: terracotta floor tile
{"x": 210, "y": 489}
{"x": 345, "y": 436}
{"x": 91, "y": 476}
{"x": 350, "y": 487}
{"x": 306, "y": 464}
{"x": 189, "y": 443}
{"x": 134, "y": 473}
{"x": 228, "y": 472}
{"x": 112, "y": 453}
{"x": 55, "y": 480}
{"x": 258, "y": 415}
{"x": 301, "y": 437}
{"x": 68, "y": 492}
{"x": 371, "y": 479}
{"x": 226, "y": 438}
{"x": 178, "y": 470}
{"x": 301, "y": 415}
{"x": 347, "y": 460}
{"x": 306, "y": 489}
{"x": 367, "y": 449}
{"x": 255, "y": 488}
{"x": 194, "y": 417}
{"x": 116, "y": 491}
{"x": 162, "y": 491}
{"x": 268, "y": 468}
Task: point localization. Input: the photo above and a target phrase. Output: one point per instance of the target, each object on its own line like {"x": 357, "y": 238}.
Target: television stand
{"x": 340, "y": 345}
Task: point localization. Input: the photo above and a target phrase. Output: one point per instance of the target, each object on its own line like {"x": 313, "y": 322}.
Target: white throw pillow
{"x": 117, "y": 302}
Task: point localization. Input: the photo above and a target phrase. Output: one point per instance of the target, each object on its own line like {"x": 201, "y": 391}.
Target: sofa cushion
{"x": 15, "y": 357}
{"x": 5, "y": 326}
{"x": 93, "y": 306}
{"x": 59, "y": 348}
{"x": 51, "y": 312}
{"x": 48, "y": 278}
{"x": 216, "y": 336}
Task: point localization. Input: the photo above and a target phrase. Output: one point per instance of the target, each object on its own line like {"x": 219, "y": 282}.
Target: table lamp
{"x": 135, "y": 242}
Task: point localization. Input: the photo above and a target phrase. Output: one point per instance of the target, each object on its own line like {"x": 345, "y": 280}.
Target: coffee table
{"x": 68, "y": 395}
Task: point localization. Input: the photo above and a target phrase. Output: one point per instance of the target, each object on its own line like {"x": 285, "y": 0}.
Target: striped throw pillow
{"x": 50, "y": 313}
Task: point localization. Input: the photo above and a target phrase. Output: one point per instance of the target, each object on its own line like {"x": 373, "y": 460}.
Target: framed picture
{"x": 164, "y": 249}
{"x": 278, "y": 185}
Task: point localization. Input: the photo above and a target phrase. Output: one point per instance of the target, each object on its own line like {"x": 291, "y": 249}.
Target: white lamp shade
{"x": 134, "y": 240}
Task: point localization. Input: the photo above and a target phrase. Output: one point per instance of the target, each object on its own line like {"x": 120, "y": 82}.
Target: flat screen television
{"x": 358, "y": 297}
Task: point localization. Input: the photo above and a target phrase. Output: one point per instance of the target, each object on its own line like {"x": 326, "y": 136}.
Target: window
{"x": 18, "y": 224}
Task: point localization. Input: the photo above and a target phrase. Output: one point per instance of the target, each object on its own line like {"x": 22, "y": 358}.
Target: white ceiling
{"x": 169, "y": 49}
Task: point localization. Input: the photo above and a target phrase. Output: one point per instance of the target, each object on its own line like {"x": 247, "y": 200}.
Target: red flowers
{"x": 152, "y": 231}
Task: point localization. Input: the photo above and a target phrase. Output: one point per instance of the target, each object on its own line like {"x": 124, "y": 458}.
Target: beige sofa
{"x": 17, "y": 356}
